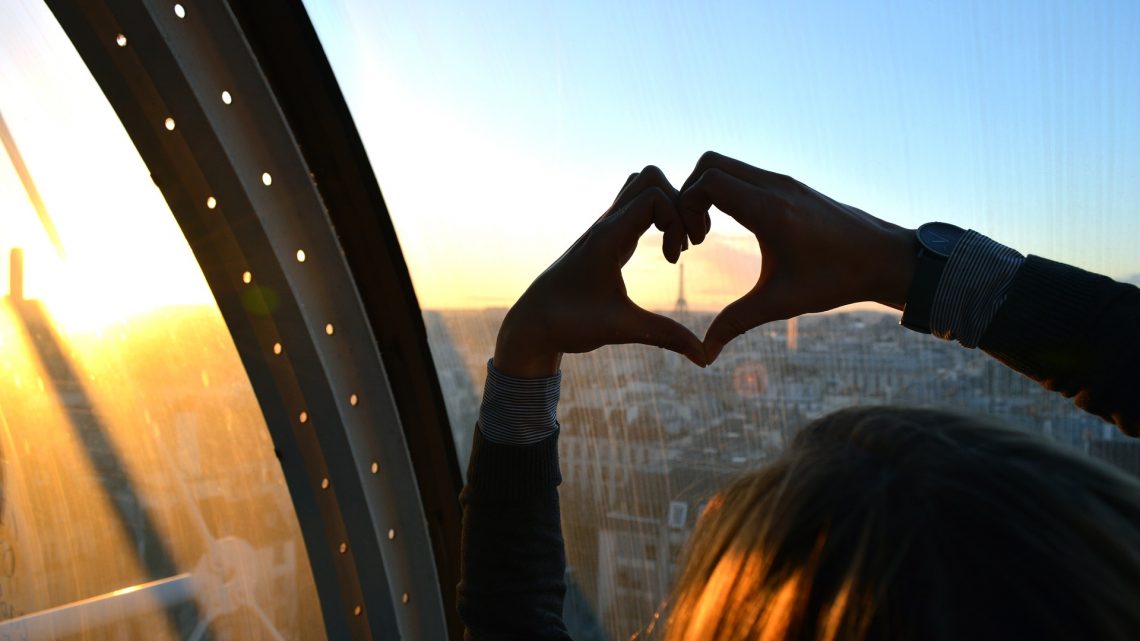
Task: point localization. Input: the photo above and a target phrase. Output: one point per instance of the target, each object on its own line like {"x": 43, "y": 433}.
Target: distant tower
{"x": 16, "y": 275}
{"x": 682, "y": 306}
{"x": 793, "y": 333}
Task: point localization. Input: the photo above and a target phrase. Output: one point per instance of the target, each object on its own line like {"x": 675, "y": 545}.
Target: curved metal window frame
{"x": 334, "y": 344}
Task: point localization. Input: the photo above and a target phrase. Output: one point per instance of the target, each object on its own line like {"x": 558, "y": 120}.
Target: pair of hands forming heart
{"x": 817, "y": 253}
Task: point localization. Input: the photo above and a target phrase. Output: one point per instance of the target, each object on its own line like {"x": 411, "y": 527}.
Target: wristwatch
{"x": 934, "y": 243}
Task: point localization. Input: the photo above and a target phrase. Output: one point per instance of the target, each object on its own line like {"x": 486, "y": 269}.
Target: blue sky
{"x": 1020, "y": 119}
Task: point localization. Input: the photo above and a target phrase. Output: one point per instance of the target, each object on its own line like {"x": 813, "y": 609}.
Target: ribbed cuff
{"x": 973, "y": 288}
{"x": 519, "y": 411}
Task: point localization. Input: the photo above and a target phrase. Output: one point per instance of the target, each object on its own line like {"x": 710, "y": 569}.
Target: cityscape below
{"x": 647, "y": 438}
{"x": 140, "y": 429}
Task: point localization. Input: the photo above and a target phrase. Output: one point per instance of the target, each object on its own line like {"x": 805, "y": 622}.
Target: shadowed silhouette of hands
{"x": 580, "y": 302}
{"x": 817, "y": 254}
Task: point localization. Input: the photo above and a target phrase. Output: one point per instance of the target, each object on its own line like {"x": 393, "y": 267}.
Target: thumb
{"x": 648, "y": 328}
{"x": 751, "y": 310}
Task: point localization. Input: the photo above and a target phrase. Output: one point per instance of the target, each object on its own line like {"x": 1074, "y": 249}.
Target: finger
{"x": 737, "y": 318}
{"x": 647, "y": 328}
{"x": 650, "y": 207}
{"x": 674, "y": 242}
{"x": 742, "y": 201}
{"x": 696, "y": 223}
{"x": 624, "y": 187}
{"x": 739, "y": 169}
{"x": 677, "y": 240}
{"x": 647, "y": 178}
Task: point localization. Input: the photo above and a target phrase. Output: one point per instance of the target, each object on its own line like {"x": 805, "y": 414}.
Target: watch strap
{"x": 920, "y": 298}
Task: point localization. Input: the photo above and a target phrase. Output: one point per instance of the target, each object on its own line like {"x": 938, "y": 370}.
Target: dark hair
{"x": 893, "y": 523}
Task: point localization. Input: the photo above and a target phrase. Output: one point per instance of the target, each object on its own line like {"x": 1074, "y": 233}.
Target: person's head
{"x": 889, "y": 523}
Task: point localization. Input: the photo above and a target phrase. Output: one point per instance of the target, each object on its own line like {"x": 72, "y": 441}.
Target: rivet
{"x": 266, "y": 179}
{"x": 169, "y": 122}
{"x": 211, "y": 202}
{"x": 121, "y": 40}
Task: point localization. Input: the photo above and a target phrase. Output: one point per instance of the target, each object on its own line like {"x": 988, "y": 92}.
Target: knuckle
{"x": 709, "y": 158}
{"x": 651, "y": 195}
{"x": 654, "y": 174}
{"x": 714, "y": 176}
{"x": 791, "y": 184}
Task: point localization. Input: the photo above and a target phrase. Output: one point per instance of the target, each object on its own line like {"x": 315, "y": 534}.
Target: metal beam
{"x": 243, "y": 192}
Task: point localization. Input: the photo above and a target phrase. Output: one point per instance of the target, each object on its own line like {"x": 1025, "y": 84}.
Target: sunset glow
{"x": 123, "y": 253}
{"x": 485, "y": 197}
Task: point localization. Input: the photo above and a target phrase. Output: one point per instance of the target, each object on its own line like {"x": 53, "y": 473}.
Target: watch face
{"x": 939, "y": 238}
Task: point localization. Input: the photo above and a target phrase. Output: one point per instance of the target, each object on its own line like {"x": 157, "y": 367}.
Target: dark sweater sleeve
{"x": 1076, "y": 333}
{"x": 513, "y": 556}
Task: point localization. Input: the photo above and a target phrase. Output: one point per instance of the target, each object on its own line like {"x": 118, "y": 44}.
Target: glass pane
{"x": 139, "y": 493}
{"x": 499, "y": 131}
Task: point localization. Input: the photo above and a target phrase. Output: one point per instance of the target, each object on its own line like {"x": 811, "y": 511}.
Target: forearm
{"x": 1076, "y": 333}
{"x": 1070, "y": 330}
{"x": 513, "y": 556}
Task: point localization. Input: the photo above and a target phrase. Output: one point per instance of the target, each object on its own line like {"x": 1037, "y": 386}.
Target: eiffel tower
{"x": 682, "y": 307}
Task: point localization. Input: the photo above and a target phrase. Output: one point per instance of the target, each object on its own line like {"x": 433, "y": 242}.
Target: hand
{"x": 580, "y": 303}
{"x": 817, "y": 254}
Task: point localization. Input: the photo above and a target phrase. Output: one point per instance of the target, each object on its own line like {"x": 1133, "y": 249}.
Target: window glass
{"x": 139, "y": 493}
{"x": 499, "y": 130}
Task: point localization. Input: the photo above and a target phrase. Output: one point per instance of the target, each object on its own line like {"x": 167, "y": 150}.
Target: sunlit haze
{"x": 123, "y": 253}
{"x": 498, "y": 131}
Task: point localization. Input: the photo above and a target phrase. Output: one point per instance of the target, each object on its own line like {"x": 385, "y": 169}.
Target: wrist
{"x": 898, "y": 262}
{"x": 521, "y": 351}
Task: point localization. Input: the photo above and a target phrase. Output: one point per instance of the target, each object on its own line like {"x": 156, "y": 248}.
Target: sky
{"x": 500, "y": 130}
{"x": 123, "y": 252}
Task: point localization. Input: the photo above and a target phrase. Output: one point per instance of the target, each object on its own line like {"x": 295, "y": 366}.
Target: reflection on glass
{"x": 499, "y": 131}
{"x": 139, "y": 493}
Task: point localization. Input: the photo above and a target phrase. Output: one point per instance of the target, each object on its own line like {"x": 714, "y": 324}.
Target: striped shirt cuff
{"x": 972, "y": 289}
{"x": 519, "y": 411}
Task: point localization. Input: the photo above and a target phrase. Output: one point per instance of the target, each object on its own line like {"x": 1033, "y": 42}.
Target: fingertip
{"x": 695, "y": 220}
{"x": 693, "y": 350}
{"x": 673, "y": 242}
{"x": 712, "y": 350}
